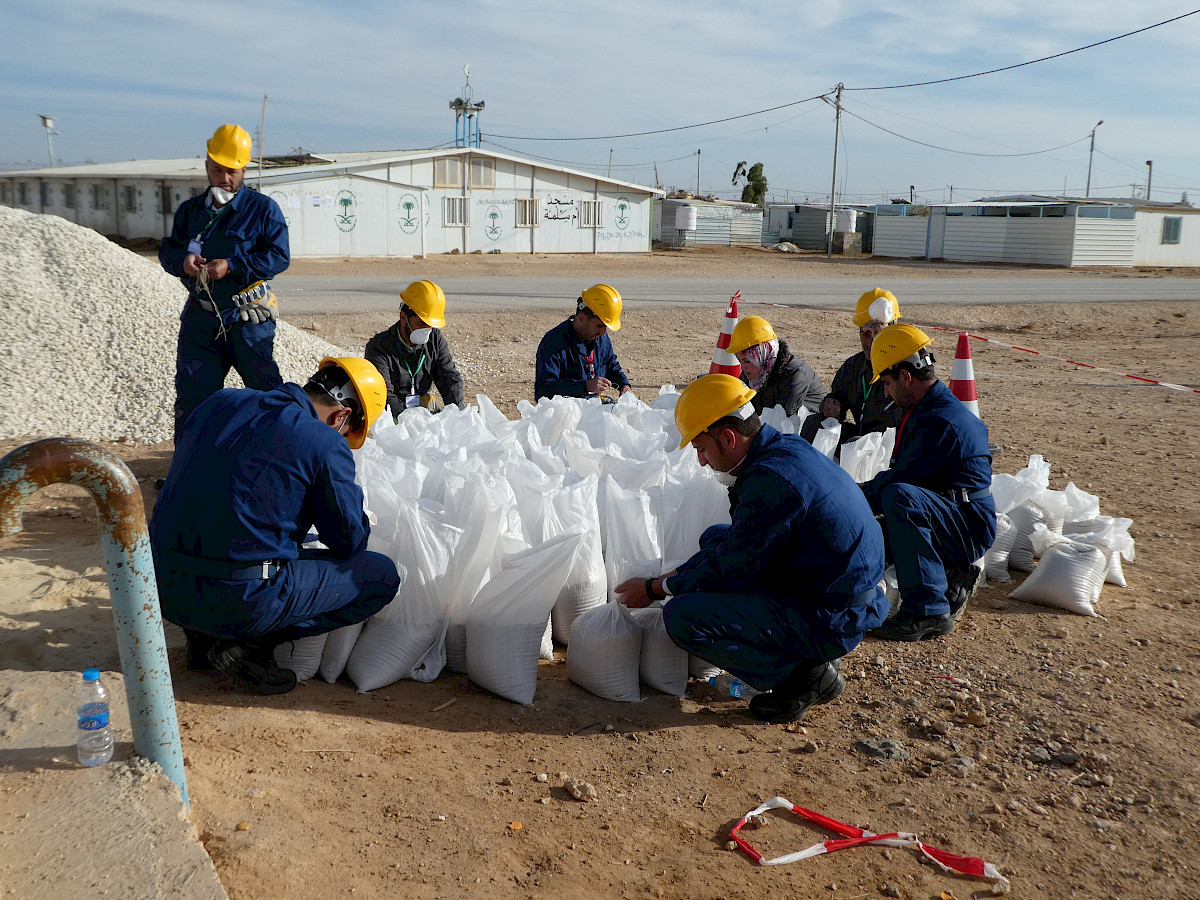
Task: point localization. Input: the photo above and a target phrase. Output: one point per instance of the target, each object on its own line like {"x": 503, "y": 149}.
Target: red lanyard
{"x": 591, "y": 363}
{"x": 899, "y": 432}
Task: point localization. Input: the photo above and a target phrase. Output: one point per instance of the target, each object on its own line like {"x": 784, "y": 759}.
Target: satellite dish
{"x": 467, "y": 70}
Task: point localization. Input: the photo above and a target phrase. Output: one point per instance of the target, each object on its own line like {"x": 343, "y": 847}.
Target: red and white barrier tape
{"x": 979, "y": 337}
{"x": 855, "y": 837}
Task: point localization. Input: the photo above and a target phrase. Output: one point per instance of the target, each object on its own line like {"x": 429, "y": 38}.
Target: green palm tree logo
{"x": 408, "y": 221}
{"x": 346, "y": 220}
{"x": 622, "y": 209}
{"x": 494, "y": 230}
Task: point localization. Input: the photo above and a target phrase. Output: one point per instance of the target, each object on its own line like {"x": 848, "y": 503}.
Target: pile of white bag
{"x": 512, "y": 535}
{"x": 1079, "y": 548}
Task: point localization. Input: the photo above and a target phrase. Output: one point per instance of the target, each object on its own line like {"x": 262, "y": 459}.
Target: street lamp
{"x": 48, "y": 124}
{"x": 1149, "y": 172}
{"x": 1087, "y": 192}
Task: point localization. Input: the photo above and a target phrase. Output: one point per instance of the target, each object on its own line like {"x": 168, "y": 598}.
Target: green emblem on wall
{"x": 410, "y": 211}
{"x": 345, "y": 217}
{"x": 623, "y": 218}
{"x": 493, "y": 228}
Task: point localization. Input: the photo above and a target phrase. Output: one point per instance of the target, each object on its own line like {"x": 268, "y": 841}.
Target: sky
{"x": 134, "y": 79}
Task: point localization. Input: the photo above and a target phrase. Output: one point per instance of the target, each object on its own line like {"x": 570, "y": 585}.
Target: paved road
{"x": 308, "y": 294}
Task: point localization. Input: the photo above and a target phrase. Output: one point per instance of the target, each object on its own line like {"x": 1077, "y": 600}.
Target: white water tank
{"x": 685, "y": 218}
{"x": 845, "y": 220}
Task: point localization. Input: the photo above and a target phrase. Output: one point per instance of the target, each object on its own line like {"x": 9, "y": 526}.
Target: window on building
{"x": 99, "y": 197}
{"x": 591, "y": 214}
{"x": 196, "y": 192}
{"x": 4, "y": 193}
{"x": 483, "y": 172}
{"x": 130, "y": 194}
{"x": 168, "y": 204}
{"x": 454, "y": 211}
{"x": 69, "y": 196}
{"x": 23, "y": 193}
{"x": 527, "y": 212}
{"x": 1172, "y": 229}
{"x": 447, "y": 172}
{"x": 45, "y": 193}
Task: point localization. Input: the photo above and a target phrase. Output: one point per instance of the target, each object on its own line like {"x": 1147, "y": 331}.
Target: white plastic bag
{"x": 664, "y": 664}
{"x": 605, "y": 652}
{"x": 302, "y": 656}
{"x": 506, "y": 622}
{"x": 1025, "y": 518}
{"x": 339, "y": 645}
{"x": 995, "y": 560}
{"x": 1010, "y": 491}
{"x": 1069, "y": 576}
{"x": 827, "y": 437}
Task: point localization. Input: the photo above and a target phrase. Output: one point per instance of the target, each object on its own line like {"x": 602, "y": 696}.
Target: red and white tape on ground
{"x": 979, "y": 337}
{"x": 855, "y": 837}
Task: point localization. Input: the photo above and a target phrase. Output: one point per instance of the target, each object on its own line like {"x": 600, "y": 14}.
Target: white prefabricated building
{"x": 1055, "y": 233}
{"x": 404, "y": 203}
{"x": 711, "y": 223}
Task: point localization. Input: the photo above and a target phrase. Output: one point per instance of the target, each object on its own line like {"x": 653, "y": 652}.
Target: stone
{"x": 580, "y": 790}
{"x": 883, "y": 749}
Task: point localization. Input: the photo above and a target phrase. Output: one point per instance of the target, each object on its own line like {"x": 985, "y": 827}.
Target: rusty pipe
{"x": 131, "y": 580}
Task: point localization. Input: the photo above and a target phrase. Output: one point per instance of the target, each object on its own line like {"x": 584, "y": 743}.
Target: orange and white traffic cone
{"x": 962, "y": 376}
{"x": 724, "y": 362}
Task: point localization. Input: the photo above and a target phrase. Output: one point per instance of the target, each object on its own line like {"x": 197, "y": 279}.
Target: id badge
{"x": 194, "y": 246}
{"x": 412, "y": 401}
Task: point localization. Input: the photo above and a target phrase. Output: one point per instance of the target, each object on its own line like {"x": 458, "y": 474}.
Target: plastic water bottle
{"x": 727, "y": 685}
{"x": 95, "y": 741}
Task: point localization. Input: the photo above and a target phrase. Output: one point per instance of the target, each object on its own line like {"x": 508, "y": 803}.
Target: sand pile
{"x": 89, "y": 335}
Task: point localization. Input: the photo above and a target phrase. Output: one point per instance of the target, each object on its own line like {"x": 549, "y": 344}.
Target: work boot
{"x": 908, "y": 626}
{"x": 252, "y": 666}
{"x": 962, "y": 583}
{"x": 198, "y": 645}
{"x": 790, "y": 701}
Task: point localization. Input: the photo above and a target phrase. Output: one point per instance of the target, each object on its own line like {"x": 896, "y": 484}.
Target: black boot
{"x": 962, "y": 582}
{"x": 252, "y": 666}
{"x": 800, "y": 691}
{"x": 908, "y": 626}
{"x": 198, "y": 645}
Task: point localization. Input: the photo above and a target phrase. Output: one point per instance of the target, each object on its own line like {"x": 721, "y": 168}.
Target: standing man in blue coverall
{"x": 576, "y": 358}
{"x": 936, "y": 499}
{"x": 253, "y": 472}
{"x": 224, "y": 246}
{"x": 778, "y": 596}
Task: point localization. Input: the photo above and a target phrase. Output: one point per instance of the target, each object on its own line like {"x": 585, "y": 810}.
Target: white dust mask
{"x": 220, "y": 196}
{"x": 419, "y": 336}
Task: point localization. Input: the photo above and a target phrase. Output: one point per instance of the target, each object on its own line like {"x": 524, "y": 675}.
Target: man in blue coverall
{"x": 253, "y": 473}
{"x": 224, "y": 246}
{"x": 936, "y": 499}
{"x": 576, "y": 358}
{"x": 778, "y": 596}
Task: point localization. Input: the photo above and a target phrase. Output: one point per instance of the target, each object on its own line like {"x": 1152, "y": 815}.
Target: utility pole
{"x": 837, "y": 124}
{"x": 1087, "y": 191}
{"x": 951, "y": 200}
{"x": 911, "y": 188}
{"x": 697, "y": 174}
{"x": 48, "y": 124}
{"x": 610, "y": 151}
{"x": 1149, "y": 172}
{"x": 262, "y": 139}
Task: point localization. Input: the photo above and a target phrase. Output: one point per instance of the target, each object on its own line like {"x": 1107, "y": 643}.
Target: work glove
{"x": 256, "y": 304}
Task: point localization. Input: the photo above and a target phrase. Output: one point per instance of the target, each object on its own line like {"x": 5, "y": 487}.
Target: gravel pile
{"x": 89, "y": 333}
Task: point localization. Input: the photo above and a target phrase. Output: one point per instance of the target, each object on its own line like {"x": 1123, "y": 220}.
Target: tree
{"x": 755, "y": 183}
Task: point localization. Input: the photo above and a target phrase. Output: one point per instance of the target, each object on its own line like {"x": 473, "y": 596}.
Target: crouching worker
{"x": 778, "y": 596}
{"x": 253, "y": 472}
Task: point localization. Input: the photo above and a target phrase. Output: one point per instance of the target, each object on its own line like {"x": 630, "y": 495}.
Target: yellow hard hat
{"x": 750, "y": 331}
{"x": 605, "y": 302}
{"x": 230, "y": 147}
{"x": 869, "y": 309}
{"x": 708, "y": 399}
{"x": 899, "y": 343}
{"x": 369, "y": 388}
{"x": 428, "y": 301}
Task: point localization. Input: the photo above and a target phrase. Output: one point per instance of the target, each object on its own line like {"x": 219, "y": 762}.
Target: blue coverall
{"x": 253, "y": 472}
{"x": 941, "y": 460}
{"x": 793, "y": 579}
{"x": 249, "y": 233}
{"x": 563, "y": 366}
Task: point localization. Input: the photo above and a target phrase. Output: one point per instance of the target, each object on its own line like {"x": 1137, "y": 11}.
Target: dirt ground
{"x": 435, "y": 790}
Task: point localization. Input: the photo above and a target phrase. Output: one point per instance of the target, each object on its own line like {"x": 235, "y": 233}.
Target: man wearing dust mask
{"x": 225, "y": 245}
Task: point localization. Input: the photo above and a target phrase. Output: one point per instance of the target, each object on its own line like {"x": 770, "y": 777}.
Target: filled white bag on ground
{"x": 664, "y": 664}
{"x": 1081, "y": 505}
{"x": 1025, "y": 518}
{"x": 302, "y": 656}
{"x": 827, "y": 437}
{"x": 691, "y": 503}
{"x": 506, "y": 622}
{"x": 702, "y": 669}
{"x": 858, "y": 456}
{"x": 553, "y": 416}
{"x": 995, "y": 560}
{"x": 1054, "y": 504}
{"x": 629, "y": 527}
{"x": 574, "y": 508}
{"x": 668, "y": 396}
{"x": 339, "y": 645}
{"x": 497, "y": 423}
{"x": 1069, "y": 575}
{"x": 1113, "y": 533}
{"x": 891, "y": 589}
{"x": 604, "y": 655}
{"x": 1010, "y": 491}
{"x": 400, "y": 637}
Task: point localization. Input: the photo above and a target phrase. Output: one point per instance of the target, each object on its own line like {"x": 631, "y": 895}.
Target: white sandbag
{"x": 996, "y": 559}
{"x": 574, "y": 509}
{"x": 858, "y": 456}
{"x": 506, "y": 622}
{"x": 668, "y": 396}
{"x": 605, "y": 651}
{"x": 397, "y": 639}
{"x": 629, "y": 525}
{"x": 1025, "y": 518}
{"x": 1069, "y": 575}
{"x": 1113, "y": 534}
{"x": 1081, "y": 505}
{"x": 302, "y": 656}
{"x": 691, "y": 503}
{"x": 339, "y": 645}
{"x": 826, "y": 439}
{"x": 663, "y": 664}
{"x": 1010, "y": 491}
{"x": 702, "y": 669}
{"x": 891, "y": 589}
{"x": 1054, "y": 504}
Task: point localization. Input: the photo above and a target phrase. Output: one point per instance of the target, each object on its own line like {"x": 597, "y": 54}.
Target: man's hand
{"x": 626, "y": 390}
{"x": 192, "y": 264}
{"x": 217, "y": 269}
{"x": 831, "y": 408}
{"x": 256, "y": 304}
{"x": 597, "y": 385}
{"x": 632, "y": 593}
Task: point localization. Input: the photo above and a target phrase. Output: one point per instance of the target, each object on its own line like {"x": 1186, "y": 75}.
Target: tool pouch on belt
{"x": 256, "y": 303}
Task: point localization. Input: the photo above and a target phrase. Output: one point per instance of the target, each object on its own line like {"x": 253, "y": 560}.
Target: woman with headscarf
{"x": 779, "y": 377}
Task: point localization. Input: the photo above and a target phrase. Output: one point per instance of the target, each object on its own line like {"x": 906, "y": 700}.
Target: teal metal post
{"x": 131, "y": 580}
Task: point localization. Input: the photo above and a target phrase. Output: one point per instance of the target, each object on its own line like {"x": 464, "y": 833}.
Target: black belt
{"x": 226, "y": 570}
{"x": 962, "y": 495}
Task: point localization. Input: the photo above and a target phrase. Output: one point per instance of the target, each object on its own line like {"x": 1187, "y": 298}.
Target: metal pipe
{"x": 131, "y": 580}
